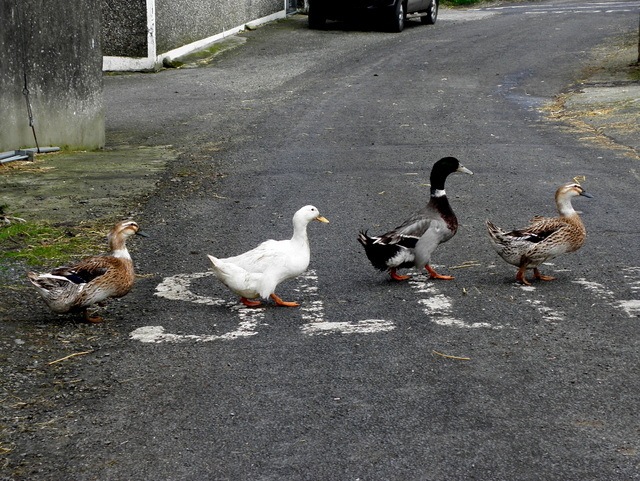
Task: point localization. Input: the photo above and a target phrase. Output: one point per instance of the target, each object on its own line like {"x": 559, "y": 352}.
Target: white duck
{"x": 257, "y": 273}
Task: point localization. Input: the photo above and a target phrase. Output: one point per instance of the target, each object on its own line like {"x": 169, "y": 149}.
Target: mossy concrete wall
{"x": 180, "y": 22}
{"x": 57, "y": 44}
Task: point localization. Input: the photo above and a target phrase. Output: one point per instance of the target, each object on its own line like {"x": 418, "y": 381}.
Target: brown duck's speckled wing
{"x": 542, "y": 228}
{"x": 86, "y": 270}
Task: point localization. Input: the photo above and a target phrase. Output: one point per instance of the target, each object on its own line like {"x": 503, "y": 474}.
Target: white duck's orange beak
{"x": 322, "y": 219}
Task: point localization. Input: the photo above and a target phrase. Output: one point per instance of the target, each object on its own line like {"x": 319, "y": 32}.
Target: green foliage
{"x": 45, "y": 245}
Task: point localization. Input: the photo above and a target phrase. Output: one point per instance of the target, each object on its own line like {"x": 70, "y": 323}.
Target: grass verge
{"x": 39, "y": 244}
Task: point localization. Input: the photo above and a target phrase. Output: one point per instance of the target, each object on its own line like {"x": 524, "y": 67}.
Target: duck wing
{"x": 84, "y": 271}
{"x": 268, "y": 254}
{"x": 239, "y": 280}
{"x": 536, "y": 243}
{"x": 395, "y": 248}
{"x": 540, "y": 229}
{"x": 389, "y": 250}
{"x": 414, "y": 227}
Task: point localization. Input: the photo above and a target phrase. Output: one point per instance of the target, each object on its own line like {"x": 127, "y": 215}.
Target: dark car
{"x": 391, "y": 12}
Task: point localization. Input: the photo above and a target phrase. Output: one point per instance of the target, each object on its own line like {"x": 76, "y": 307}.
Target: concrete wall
{"x": 180, "y": 22}
{"x": 124, "y": 28}
{"x": 57, "y": 44}
{"x": 174, "y": 28}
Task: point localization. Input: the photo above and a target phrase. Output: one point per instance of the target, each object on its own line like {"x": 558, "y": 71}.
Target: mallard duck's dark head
{"x": 441, "y": 170}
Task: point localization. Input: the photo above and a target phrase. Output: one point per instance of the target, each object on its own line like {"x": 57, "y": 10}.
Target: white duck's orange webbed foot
{"x": 250, "y": 303}
{"x": 434, "y": 275}
{"x": 282, "y": 303}
{"x": 397, "y": 277}
{"x": 538, "y": 275}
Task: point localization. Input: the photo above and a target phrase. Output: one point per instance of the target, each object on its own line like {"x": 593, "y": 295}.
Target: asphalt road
{"x": 542, "y": 382}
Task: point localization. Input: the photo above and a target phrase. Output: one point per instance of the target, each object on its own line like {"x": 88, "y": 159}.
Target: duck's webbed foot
{"x": 520, "y": 276}
{"x": 538, "y": 275}
{"x": 434, "y": 275}
{"x": 397, "y": 277}
{"x": 93, "y": 319}
{"x": 282, "y": 303}
{"x": 249, "y": 302}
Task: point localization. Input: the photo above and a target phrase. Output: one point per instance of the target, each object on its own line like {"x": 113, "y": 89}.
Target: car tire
{"x": 397, "y": 17}
{"x": 317, "y": 17}
{"x": 431, "y": 15}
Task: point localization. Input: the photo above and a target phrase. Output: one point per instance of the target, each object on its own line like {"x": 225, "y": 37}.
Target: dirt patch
{"x": 75, "y": 187}
{"x": 604, "y": 106}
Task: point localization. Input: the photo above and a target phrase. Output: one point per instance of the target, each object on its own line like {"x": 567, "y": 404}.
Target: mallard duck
{"x": 544, "y": 238}
{"x": 412, "y": 243}
{"x": 79, "y": 286}
{"x": 258, "y": 272}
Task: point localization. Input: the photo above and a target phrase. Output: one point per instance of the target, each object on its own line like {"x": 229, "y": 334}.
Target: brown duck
{"x": 92, "y": 280}
{"x": 544, "y": 238}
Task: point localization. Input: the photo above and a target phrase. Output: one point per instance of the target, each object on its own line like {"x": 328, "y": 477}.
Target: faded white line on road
{"x": 604, "y": 7}
{"x": 632, "y": 274}
{"x": 596, "y": 288}
{"x": 157, "y": 334}
{"x": 630, "y": 306}
{"x": 178, "y": 288}
{"x": 249, "y": 318}
{"x": 548, "y": 314}
{"x": 439, "y": 307}
{"x": 368, "y": 326}
{"x": 313, "y": 313}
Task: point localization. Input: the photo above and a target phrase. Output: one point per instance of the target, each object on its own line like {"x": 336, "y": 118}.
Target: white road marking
{"x": 596, "y": 288}
{"x": 246, "y": 327}
{"x": 313, "y": 313}
{"x": 548, "y": 314}
{"x": 633, "y": 273}
{"x": 630, "y": 306}
{"x": 178, "y": 288}
{"x": 601, "y": 7}
{"x": 368, "y": 326}
{"x": 439, "y": 308}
